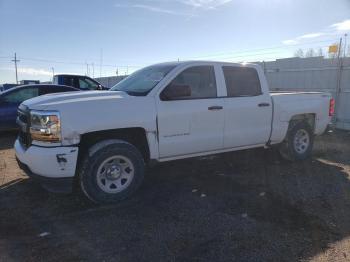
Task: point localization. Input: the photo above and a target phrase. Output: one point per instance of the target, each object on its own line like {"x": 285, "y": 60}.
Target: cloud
{"x": 289, "y": 42}
{"x": 158, "y": 6}
{"x": 29, "y": 71}
{"x": 312, "y": 35}
{"x": 296, "y": 40}
{"x": 332, "y": 30}
{"x": 205, "y": 4}
{"x": 152, "y": 8}
{"x": 159, "y": 9}
{"x": 342, "y": 26}
{"x": 34, "y": 71}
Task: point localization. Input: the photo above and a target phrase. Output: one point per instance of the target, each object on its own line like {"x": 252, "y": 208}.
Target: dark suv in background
{"x": 78, "y": 81}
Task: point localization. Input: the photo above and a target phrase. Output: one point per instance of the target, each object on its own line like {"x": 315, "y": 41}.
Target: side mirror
{"x": 99, "y": 87}
{"x": 173, "y": 92}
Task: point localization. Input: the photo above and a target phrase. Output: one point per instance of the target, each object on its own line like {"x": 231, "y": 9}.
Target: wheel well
{"x": 135, "y": 136}
{"x": 309, "y": 118}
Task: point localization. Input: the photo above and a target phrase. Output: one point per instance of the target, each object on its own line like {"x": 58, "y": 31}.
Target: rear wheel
{"x": 111, "y": 171}
{"x": 298, "y": 142}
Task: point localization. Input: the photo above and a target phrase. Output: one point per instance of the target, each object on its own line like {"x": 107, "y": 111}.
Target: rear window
{"x": 241, "y": 81}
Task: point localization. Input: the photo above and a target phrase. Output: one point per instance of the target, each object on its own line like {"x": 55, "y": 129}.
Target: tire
{"x": 111, "y": 171}
{"x": 298, "y": 143}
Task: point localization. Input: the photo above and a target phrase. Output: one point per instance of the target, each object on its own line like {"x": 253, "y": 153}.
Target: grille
{"x": 23, "y": 122}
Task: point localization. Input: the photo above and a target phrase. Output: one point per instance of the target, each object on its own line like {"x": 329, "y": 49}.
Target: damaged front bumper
{"x": 53, "y": 167}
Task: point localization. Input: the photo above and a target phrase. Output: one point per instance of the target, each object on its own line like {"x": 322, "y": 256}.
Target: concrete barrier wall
{"x": 109, "y": 81}
{"x": 314, "y": 74}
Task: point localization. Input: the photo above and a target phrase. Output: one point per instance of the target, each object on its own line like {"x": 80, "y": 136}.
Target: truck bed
{"x": 288, "y": 104}
{"x": 276, "y": 93}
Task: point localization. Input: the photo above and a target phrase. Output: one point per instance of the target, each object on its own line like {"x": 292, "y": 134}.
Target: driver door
{"x": 194, "y": 123}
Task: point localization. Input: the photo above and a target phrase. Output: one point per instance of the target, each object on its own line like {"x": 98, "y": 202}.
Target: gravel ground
{"x": 242, "y": 206}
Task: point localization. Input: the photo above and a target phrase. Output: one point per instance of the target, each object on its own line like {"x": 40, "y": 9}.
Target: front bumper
{"x": 55, "y": 164}
{"x": 56, "y": 185}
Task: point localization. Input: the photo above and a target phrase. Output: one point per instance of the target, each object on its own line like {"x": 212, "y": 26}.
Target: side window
{"x": 43, "y": 90}
{"x": 54, "y": 89}
{"x": 199, "y": 79}
{"x": 68, "y": 81}
{"x": 87, "y": 84}
{"x": 241, "y": 81}
{"x": 65, "y": 89}
{"x": 21, "y": 95}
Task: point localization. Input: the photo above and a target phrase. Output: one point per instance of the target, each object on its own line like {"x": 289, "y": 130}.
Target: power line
{"x": 257, "y": 54}
{"x": 198, "y": 57}
{"x": 71, "y": 63}
{"x": 263, "y": 49}
{"x": 222, "y": 55}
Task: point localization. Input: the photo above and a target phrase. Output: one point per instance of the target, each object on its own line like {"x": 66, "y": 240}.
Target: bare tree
{"x": 310, "y": 52}
{"x": 299, "y": 53}
{"x": 320, "y": 52}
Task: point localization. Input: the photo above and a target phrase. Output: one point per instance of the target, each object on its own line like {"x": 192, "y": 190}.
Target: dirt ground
{"x": 242, "y": 206}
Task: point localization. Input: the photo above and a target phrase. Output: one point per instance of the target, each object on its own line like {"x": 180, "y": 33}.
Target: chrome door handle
{"x": 263, "y": 104}
{"x": 215, "y": 108}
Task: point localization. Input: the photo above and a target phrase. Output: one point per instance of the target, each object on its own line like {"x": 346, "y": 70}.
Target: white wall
{"x": 313, "y": 74}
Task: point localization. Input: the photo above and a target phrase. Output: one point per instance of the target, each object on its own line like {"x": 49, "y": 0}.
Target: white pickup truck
{"x": 103, "y": 139}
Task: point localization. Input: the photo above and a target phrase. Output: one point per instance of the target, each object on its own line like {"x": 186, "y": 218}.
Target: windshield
{"x": 143, "y": 81}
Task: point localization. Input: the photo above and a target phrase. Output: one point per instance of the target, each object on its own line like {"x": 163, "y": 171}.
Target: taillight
{"x": 331, "y": 107}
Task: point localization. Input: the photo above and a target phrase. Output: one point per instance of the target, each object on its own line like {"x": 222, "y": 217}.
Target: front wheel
{"x": 298, "y": 143}
{"x": 111, "y": 171}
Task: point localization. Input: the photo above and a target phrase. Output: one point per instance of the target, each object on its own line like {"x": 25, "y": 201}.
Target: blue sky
{"x": 127, "y": 35}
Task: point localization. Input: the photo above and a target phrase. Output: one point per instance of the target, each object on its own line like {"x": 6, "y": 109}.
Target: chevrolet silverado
{"x": 102, "y": 140}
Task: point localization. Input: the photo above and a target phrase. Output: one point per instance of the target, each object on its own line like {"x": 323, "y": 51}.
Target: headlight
{"x": 45, "y": 126}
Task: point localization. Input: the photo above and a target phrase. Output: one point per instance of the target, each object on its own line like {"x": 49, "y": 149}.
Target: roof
{"x": 176, "y": 63}
{"x": 36, "y": 85}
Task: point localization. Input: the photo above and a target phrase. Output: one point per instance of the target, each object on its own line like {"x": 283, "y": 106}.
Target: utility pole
{"x": 345, "y": 44}
{"x": 53, "y": 72}
{"x": 101, "y": 61}
{"x": 339, "y": 73}
{"x": 16, "y": 60}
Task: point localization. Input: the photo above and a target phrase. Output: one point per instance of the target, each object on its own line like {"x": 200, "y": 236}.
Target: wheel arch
{"x": 310, "y": 118}
{"x": 136, "y": 136}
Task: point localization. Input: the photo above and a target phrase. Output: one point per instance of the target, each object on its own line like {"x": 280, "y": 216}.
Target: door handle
{"x": 215, "y": 108}
{"x": 263, "y": 104}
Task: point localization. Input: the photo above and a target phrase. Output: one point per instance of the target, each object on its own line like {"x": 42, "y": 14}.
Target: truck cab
{"x": 84, "y": 83}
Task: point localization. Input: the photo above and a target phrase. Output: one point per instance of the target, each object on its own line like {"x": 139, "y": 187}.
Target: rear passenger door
{"x": 248, "y": 110}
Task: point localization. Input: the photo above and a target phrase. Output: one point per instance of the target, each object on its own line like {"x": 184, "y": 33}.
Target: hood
{"x": 55, "y": 100}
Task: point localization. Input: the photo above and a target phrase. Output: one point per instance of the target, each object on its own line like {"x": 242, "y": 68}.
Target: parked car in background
{"x": 160, "y": 113}
{"x": 12, "y": 98}
{"x": 78, "y": 81}
{"x": 7, "y": 86}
